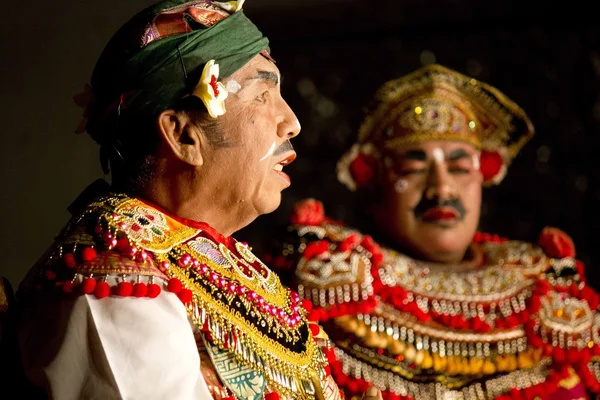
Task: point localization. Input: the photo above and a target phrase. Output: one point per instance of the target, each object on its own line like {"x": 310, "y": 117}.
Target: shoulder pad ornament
{"x": 333, "y": 265}
{"x": 101, "y": 253}
{"x": 556, "y": 243}
{"x": 565, "y": 323}
{"x": 560, "y": 247}
{"x": 471, "y": 323}
{"x": 230, "y": 295}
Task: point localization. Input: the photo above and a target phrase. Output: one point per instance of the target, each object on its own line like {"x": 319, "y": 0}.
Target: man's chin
{"x": 270, "y": 203}
{"x": 446, "y": 238}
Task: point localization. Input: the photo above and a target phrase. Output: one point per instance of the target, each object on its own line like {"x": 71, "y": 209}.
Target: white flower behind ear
{"x": 212, "y": 92}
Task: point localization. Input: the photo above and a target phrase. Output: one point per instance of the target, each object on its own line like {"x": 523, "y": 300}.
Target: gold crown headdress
{"x": 436, "y": 103}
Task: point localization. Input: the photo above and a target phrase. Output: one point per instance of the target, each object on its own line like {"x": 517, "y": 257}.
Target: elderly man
{"x": 440, "y": 310}
{"x": 145, "y": 295}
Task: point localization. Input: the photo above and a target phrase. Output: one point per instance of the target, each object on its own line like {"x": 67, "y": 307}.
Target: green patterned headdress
{"x": 159, "y": 56}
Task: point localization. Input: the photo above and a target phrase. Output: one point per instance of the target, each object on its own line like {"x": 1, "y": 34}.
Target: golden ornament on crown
{"x": 437, "y": 103}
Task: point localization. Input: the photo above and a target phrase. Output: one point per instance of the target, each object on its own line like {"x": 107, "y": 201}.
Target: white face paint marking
{"x": 269, "y": 152}
{"x": 233, "y": 86}
{"x": 476, "y": 164}
{"x": 401, "y": 185}
{"x": 438, "y": 155}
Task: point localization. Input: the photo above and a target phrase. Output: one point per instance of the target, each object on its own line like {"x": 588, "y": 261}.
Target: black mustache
{"x": 427, "y": 204}
{"x": 283, "y": 147}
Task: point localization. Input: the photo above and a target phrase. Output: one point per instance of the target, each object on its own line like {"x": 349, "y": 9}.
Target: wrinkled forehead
{"x": 260, "y": 68}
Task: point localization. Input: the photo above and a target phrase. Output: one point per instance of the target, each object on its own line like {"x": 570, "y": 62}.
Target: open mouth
{"x": 441, "y": 214}
{"x": 278, "y": 168}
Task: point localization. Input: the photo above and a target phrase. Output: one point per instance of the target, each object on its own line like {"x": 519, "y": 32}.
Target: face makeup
{"x": 269, "y": 152}
{"x": 401, "y": 185}
{"x": 233, "y": 86}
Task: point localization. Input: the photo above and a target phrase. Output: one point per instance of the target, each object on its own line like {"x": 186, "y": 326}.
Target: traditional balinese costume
{"x": 131, "y": 302}
{"x": 512, "y": 321}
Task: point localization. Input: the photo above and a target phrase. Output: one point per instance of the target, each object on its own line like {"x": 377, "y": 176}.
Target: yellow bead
{"x": 371, "y": 339}
{"x": 512, "y": 362}
{"x": 410, "y": 354}
{"x": 396, "y": 347}
{"x": 457, "y": 364}
{"x": 488, "y": 367}
{"x": 427, "y": 361}
{"x": 361, "y": 330}
{"x": 419, "y": 357}
{"x": 524, "y": 360}
{"x": 383, "y": 341}
{"x": 439, "y": 363}
{"x": 501, "y": 364}
{"x": 466, "y": 366}
{"x": 476, "y": 364}
{"x": 451, "y": 366}
{"x": 351, "y": 325}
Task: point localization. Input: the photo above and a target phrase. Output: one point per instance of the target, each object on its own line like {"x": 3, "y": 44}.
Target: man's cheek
{"x": 405, "y": 204}
{"x": 472, "y": 199}
{"x": 410, "y": 196}
{"x": 269, "y": 152}
{"x": 478, "y": 177}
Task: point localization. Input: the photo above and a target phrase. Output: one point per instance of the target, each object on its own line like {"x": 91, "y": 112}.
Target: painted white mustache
{"x": 285, "y": 146}
{"x": 269, "y": 152}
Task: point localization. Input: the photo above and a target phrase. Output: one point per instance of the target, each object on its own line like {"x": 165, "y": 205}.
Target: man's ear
{"x": 184, "y": 138}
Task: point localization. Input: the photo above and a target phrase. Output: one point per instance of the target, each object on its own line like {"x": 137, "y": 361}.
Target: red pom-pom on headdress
{"x": 357, "y": 168}
{"x": 491, "y": 163}
{"x": 363, "y": 169}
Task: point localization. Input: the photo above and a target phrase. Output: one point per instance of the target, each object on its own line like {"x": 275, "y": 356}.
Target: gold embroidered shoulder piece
{"x": 473, "y": 329}
{"x": 333, "y": 268}
{"x": 90, "y": 249}
{"x": 514, "y": 316}
{"x": 247, "y": 316}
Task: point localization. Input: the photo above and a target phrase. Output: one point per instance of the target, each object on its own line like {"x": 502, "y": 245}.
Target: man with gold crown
{"x": 145, "y": 294}
{"x": 419, "y": 303}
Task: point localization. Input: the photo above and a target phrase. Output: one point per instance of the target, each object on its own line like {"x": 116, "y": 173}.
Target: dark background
{"x": 333, "y": 54}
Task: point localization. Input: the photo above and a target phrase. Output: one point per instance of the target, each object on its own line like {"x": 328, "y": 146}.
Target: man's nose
{"x": 288, "y": 124}
{"x": 439, "y": 182}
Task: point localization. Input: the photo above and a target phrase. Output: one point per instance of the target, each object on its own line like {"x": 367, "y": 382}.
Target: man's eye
{"x": 412, "y": 171}
{"x": 263, "y": 97}
{"x": 458, "y": 170}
